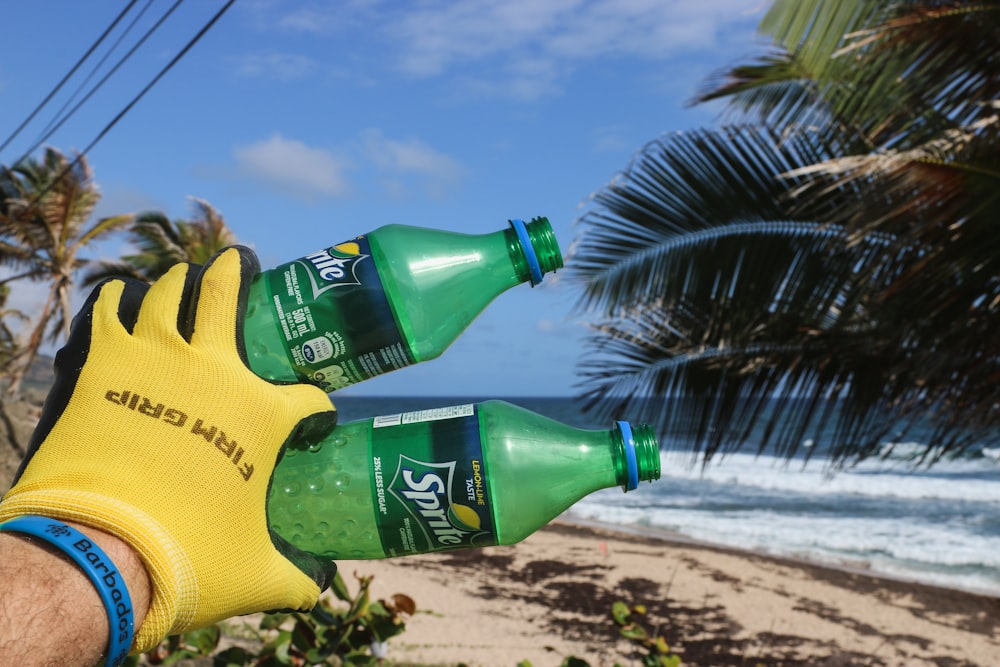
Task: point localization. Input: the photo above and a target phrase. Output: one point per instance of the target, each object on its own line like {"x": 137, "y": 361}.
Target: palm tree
{"x": 162, "y": 243}
{"x": 45, "y": 206}
{"x": 829, "y": 260}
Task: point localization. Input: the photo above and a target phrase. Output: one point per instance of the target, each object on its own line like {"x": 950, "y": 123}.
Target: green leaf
{"x": 620, "y": 613}
{"x": 283, "y": 646}
{"x": 317, "y": 655}
{"x": 339, "y": 588}
{"x": 324, "y": 614}
{"x": 633, "y": 632}
{"x": 234, "y": 656}
{"x": 205, "y": 639}
{"x": 273, "y": 621}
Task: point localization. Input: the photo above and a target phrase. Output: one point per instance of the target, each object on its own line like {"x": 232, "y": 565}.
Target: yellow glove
{"x": 156, "y": 431}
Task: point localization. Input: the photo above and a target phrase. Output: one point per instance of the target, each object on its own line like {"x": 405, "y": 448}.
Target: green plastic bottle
{"x": 464, "y": 476}
{"x": 391, "y": 298}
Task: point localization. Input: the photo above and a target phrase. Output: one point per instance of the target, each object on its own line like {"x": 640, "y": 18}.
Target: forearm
{"x": 50, "y": 612}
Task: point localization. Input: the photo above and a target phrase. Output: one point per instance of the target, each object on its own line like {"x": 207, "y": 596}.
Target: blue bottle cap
{"x": 529, "y": 250}
{"x": 633, "y": 466}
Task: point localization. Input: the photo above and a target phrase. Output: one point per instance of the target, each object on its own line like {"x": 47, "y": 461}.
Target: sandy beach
{"x": 550, "y": 597}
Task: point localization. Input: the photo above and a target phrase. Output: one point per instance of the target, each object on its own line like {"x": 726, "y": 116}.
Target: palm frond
{"x": 44, "y": 209}
{"x": 717, "y": 280}
{"x": 106, "y": 270}
{"x": 775, "y": 90}
{"x": 102, "y": 227}
{"x": 773, "y": 395}
{"x": 162, "y": 243}
{"x": 814, "y": 29}
{"x": 686, "y": 187}
{"x": 938, "y": 57}
{"x": 866, "y": 66}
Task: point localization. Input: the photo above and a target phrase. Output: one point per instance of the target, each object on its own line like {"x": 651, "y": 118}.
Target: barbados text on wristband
{"x": 95, "y": 563}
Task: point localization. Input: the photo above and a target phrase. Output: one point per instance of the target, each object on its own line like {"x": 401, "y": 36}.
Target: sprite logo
{"x": 333, "y": 267}
{"x": 424, "y": 489}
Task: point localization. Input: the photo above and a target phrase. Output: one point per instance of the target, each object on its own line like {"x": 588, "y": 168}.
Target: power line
{"x": 187, "y": 47}
{"x": 66, "y": 78}
{"x": 128, "y": 107}
{"x": 104, "y": 79}
{"x": 94, "y": 70}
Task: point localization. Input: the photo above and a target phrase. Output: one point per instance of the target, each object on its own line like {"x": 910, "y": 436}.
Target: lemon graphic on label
{"x": 463, "y": 516}
{"x": 348, "y": 248}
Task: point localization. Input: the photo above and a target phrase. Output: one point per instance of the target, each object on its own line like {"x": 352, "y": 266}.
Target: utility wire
{"x": 128, "y": 107}
{"x": 187, "y": 47}
{"x": 94, "y": 71}
{"x": 104, "y": 79}
{"x": 66, "y": 78}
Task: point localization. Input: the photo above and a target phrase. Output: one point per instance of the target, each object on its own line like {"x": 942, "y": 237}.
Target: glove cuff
{"x": 169, "y": 571}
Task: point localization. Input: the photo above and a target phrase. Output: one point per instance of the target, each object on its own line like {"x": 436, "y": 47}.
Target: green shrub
{"x": 323, "y": 636}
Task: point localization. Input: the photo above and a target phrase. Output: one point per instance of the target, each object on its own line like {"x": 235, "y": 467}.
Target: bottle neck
{"x": 533, "y": 249}
{"x": 637, "y": 454}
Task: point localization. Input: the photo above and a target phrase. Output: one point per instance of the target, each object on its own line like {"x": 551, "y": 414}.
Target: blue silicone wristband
{"x": 630, "y": 459}
{"x": 529, "y": 251}
{"x": 99, "y": 569}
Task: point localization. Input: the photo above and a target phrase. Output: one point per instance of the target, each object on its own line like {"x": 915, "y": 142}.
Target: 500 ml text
{"x": 174, "y": 417}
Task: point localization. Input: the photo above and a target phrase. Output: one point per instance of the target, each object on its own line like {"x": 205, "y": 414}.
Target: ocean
{"x": 937, "y": 525}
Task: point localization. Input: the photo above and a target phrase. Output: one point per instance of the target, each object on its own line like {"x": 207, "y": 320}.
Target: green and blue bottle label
{"x": 429, "y": 482}
{"x": 335, "y": 318}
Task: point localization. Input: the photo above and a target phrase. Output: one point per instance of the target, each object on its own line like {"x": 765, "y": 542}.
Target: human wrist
{"x": 54, "y": 607}
{"x": 128, "y": 564}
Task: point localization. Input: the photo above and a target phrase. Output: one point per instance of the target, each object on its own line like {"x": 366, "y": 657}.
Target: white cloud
{"x": 293, "y": 167}
{"x": 437, "y": 34}
{"x": 546, "y": 326}
{"x": 396, "y": 159}
{"x": 325, "y": 18}
{"x": 279, "y": 66}
{"x": 308, "y": 19}
{"x": 519, "y": 78}
{"x": 523, "y": 49}
{"x": 443, "y": 33}
{"x": 610, "y": 138}
{"x": 402, "y": 167}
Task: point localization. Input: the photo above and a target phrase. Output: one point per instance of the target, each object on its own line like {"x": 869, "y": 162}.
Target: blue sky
{"x": 307, "y": 123}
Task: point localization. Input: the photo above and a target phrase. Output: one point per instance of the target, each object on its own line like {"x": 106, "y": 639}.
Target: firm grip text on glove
{"x": 159, "y": 411}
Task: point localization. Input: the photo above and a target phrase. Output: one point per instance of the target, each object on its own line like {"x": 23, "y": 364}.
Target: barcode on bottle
{"x": 430, "y": 415}
{"x": 436, "y": 414}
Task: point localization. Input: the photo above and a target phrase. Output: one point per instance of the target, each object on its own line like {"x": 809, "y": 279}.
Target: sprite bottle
{"x": 385, "y": 300}
{"x": 447, "y": 478}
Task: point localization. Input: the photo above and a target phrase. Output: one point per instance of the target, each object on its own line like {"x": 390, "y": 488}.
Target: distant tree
{"x": 9, "y": 350}
{"x": 8, "y": 339}
{"x": 162, "y": 243}
{"x": 45, "y": 208}
{"x": 830, "y": 258}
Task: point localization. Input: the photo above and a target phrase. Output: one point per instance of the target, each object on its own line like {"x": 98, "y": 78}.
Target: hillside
{"x": 18, "y": 417}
